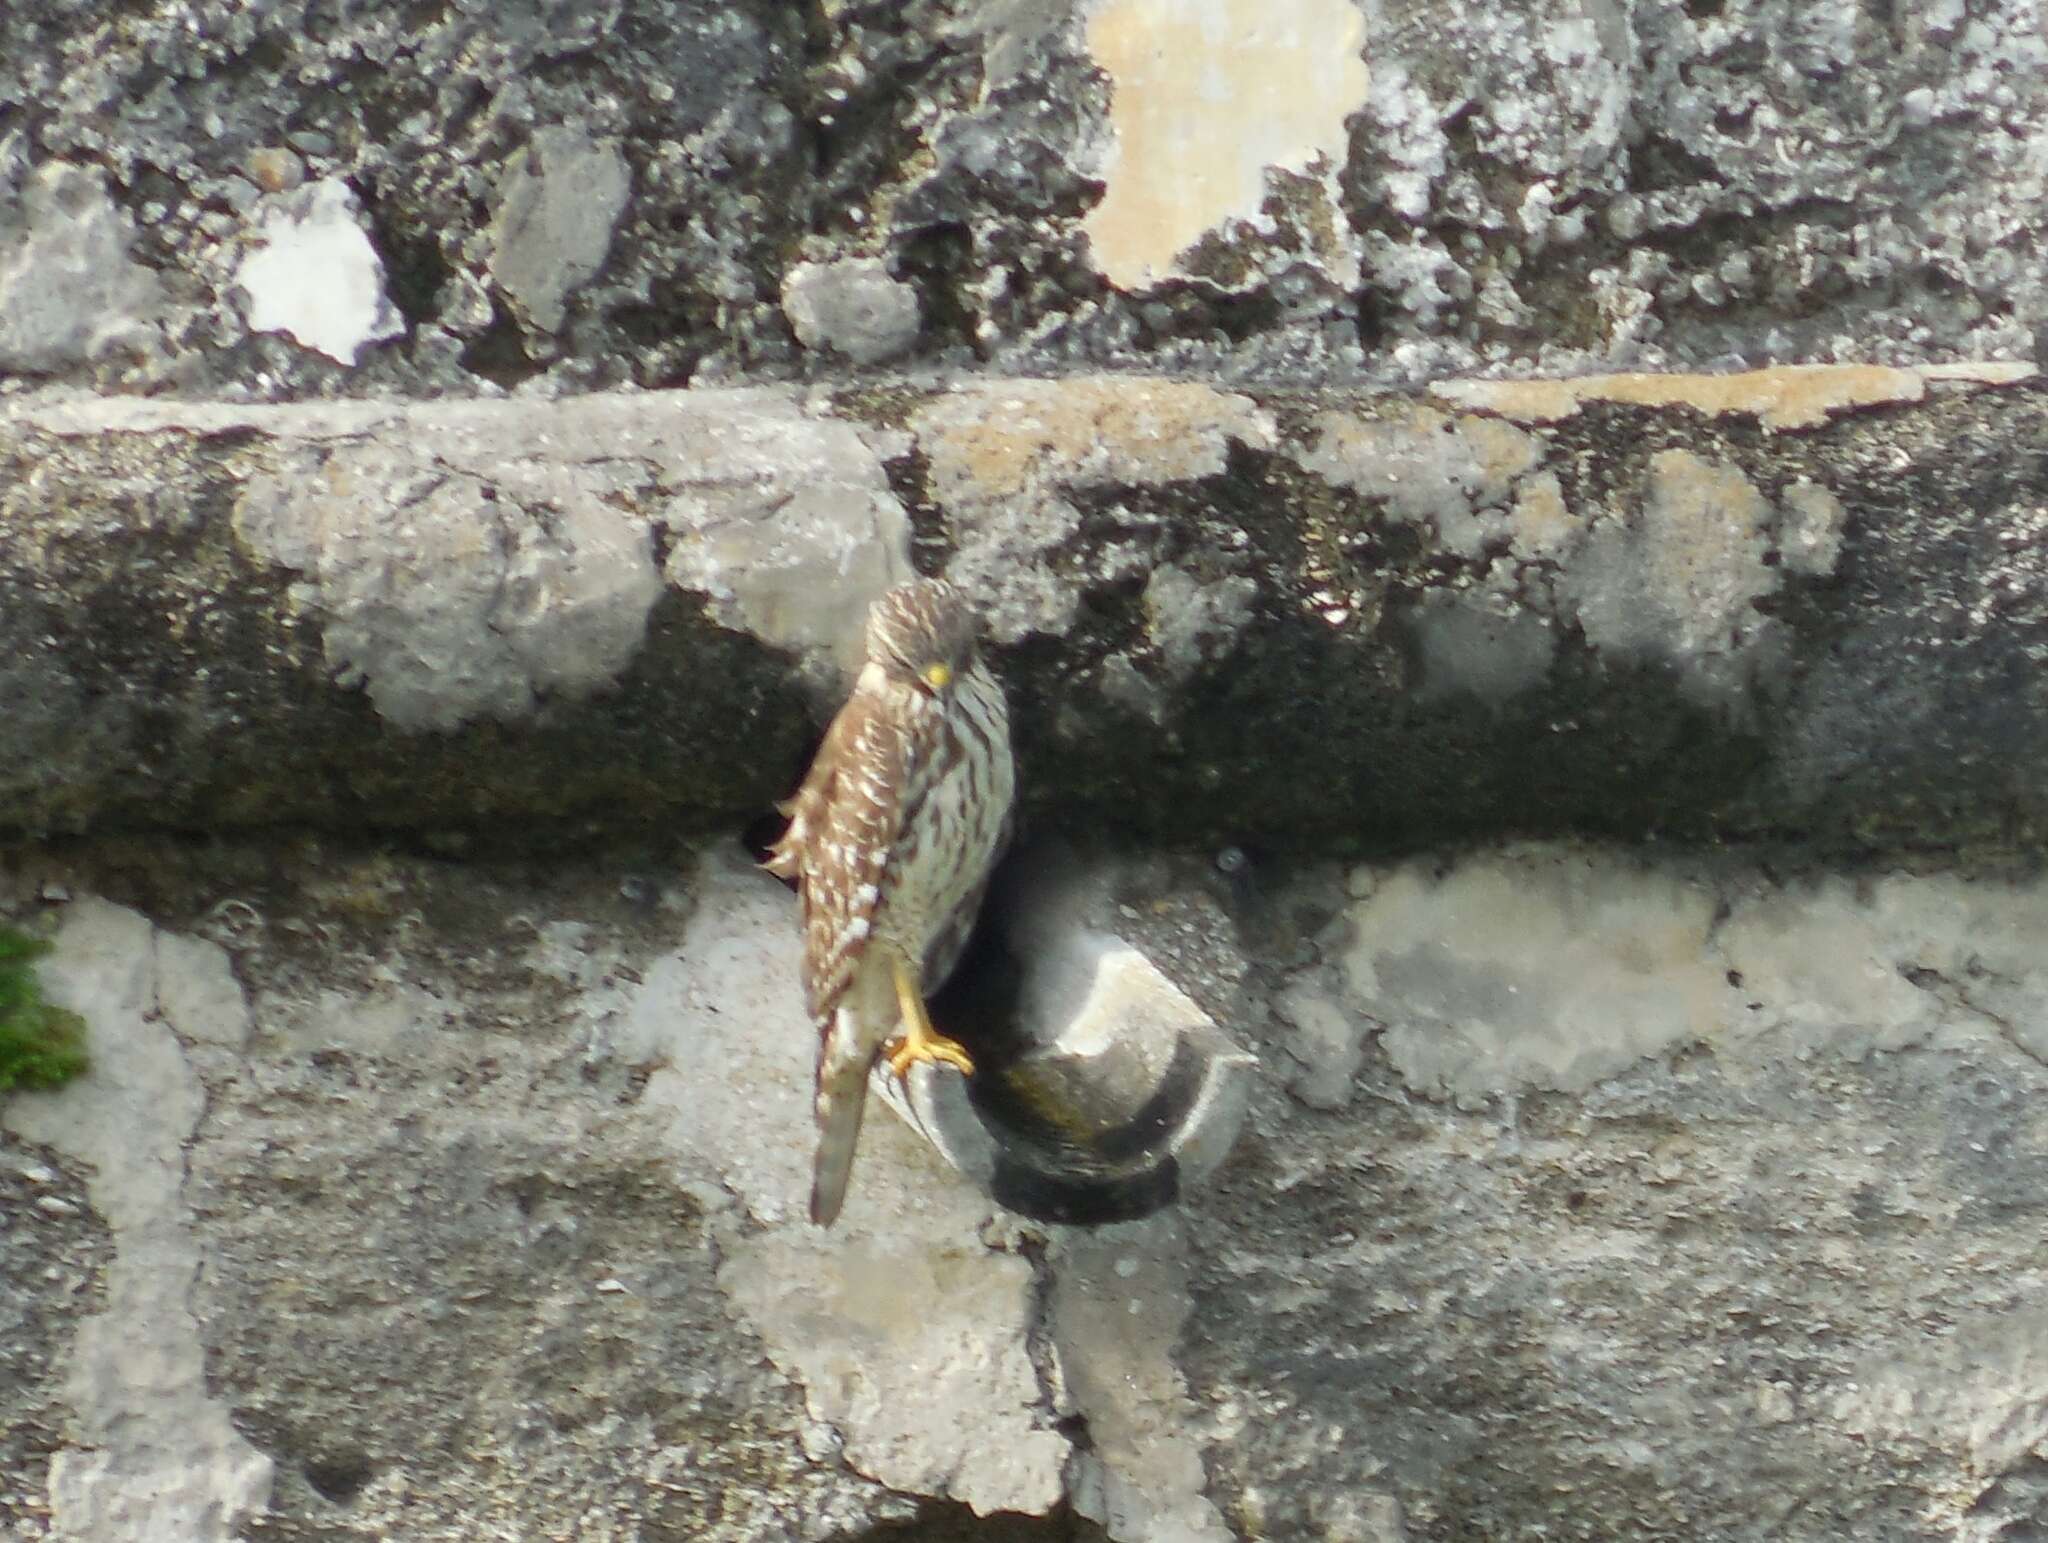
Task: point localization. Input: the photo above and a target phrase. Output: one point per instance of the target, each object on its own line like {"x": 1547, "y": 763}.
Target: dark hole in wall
{"x": 1071, "y": 1145}
{"x": 339, "y": 1476}
{"x": 499, "y": 354}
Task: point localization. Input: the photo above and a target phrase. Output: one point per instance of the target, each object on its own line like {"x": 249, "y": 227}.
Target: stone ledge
{"x": 1288, "y": 619}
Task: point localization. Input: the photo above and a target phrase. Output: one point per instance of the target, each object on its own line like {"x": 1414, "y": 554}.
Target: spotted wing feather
{"x": 844, "y": 824}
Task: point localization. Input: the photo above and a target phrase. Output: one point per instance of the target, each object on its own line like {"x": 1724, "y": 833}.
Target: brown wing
{"x": 844, "y": 824}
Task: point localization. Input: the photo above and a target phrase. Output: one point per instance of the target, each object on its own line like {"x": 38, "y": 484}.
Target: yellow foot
{"x": 919, "y": 1041}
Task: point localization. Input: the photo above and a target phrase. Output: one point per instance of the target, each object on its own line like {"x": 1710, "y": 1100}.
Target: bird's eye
{"x": 938, "y": 676}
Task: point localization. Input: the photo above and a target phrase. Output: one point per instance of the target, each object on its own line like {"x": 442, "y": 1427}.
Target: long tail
{"x": 842, "y": 1098}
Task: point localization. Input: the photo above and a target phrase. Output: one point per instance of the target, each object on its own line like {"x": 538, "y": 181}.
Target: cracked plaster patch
{"x": 153, "y": 1455}
{"x": 1534, "y": 968}
{"x": 1679, "y": 582}
{"x": 452, "y": 593}
{"x": 1119, "y": 1302}
{"x": 908, "y": 1333}
{"x": 1900, "y": 957}
{"x": 1684, "y": 583}
{"x": 1208, "y": 102}
{"x": 501, "y": 552}
{"x": 782, "y": 519}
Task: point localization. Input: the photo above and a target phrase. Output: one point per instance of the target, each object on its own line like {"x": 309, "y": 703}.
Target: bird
{"x": 905, "y": 810}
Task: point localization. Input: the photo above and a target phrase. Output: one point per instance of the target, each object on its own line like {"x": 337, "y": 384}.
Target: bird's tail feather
{"x": 842, "y": 1098}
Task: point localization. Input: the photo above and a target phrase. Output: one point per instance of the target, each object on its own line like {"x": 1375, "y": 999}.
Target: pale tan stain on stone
{"x": 1503, "y": 453}
{"x": 1684, "y": 582}
{"x": 1542, "y": 525}
{"x": 1703, "y": 527}
{"x": 1981, "y": 372}
{"x": 1205, "y": 98}
{"x": 994, "y": 441}
{"x": 1415, "y": 454}
{"x": 1810, "y": 528}
{"x": 1430, "y": 467}
{"x": 1786, "y": 397}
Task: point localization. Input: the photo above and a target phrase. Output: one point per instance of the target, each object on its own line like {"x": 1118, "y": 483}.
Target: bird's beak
{"x": 939, "y": 677}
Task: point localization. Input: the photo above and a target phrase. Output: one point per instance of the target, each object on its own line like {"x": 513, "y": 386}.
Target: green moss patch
{"x": 41, "y": 1046}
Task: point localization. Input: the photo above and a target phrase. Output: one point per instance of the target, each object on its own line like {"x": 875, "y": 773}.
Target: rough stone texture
{"x": 1117, "y": 1310}
{"x": 152, "y": 1453}
{"x": 54, "y": 1250}
{"x": 558, "y": 202}
{"x": 1706, "y": 610}
{"x": 900, "y": 1319}
{"x": 569, "y": 194}
{"x": 473, "y": 589}
{"x": 68, "y": 289}
{"x": 451, "y": 1198}
{"x": 852, "y": 307}
{"x": 1764, "y": 1264}
{"x": 1681, "y": 1190}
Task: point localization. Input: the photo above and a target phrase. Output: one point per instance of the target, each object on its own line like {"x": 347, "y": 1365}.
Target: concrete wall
{"x": 1514, "y": 540}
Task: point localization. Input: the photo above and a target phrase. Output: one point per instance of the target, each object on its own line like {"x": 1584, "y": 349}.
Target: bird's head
{"x": 922, "y": 633}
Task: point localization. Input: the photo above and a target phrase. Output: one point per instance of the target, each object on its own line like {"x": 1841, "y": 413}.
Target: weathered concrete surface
{"x": 154, "y": 1455}
{"x": 1801, "y": 604}
{"x": 1588, "y": 1193}
{"x": 566, "y": 194}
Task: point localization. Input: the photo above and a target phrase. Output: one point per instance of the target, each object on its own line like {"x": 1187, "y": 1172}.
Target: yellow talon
{"x": 919, "y": 1041}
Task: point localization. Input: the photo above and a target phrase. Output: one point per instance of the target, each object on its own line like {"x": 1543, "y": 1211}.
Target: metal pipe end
{"x": 1102, "y": 1092}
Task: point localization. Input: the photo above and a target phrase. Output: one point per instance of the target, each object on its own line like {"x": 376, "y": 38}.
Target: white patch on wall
{"x": 1210, "y": 98}
{"x": 316, "y": 278}
{"x": 1539, "y": 967}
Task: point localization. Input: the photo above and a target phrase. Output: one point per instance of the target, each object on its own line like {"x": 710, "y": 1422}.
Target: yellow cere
{"x": 939, "y": 676}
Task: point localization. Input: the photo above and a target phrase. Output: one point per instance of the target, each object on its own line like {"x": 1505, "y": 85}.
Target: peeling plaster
{"x": 1207, "y": 100}
{"x": 940, "y": 1400}
{"x": 1544, "y": 966}
{"x": 1787, "y": 397}
{"x": 1002, "y": 454}
{"x": 153, "y": 1455}
{"x": 1430, "y": 468}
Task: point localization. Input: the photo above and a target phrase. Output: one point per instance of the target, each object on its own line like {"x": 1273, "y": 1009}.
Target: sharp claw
{"x": 919, "y": 1041}
{"x": 905, "y": 1052}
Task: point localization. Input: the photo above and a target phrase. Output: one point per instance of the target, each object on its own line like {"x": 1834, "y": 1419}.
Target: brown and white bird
{"x": 891, "y": 839}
